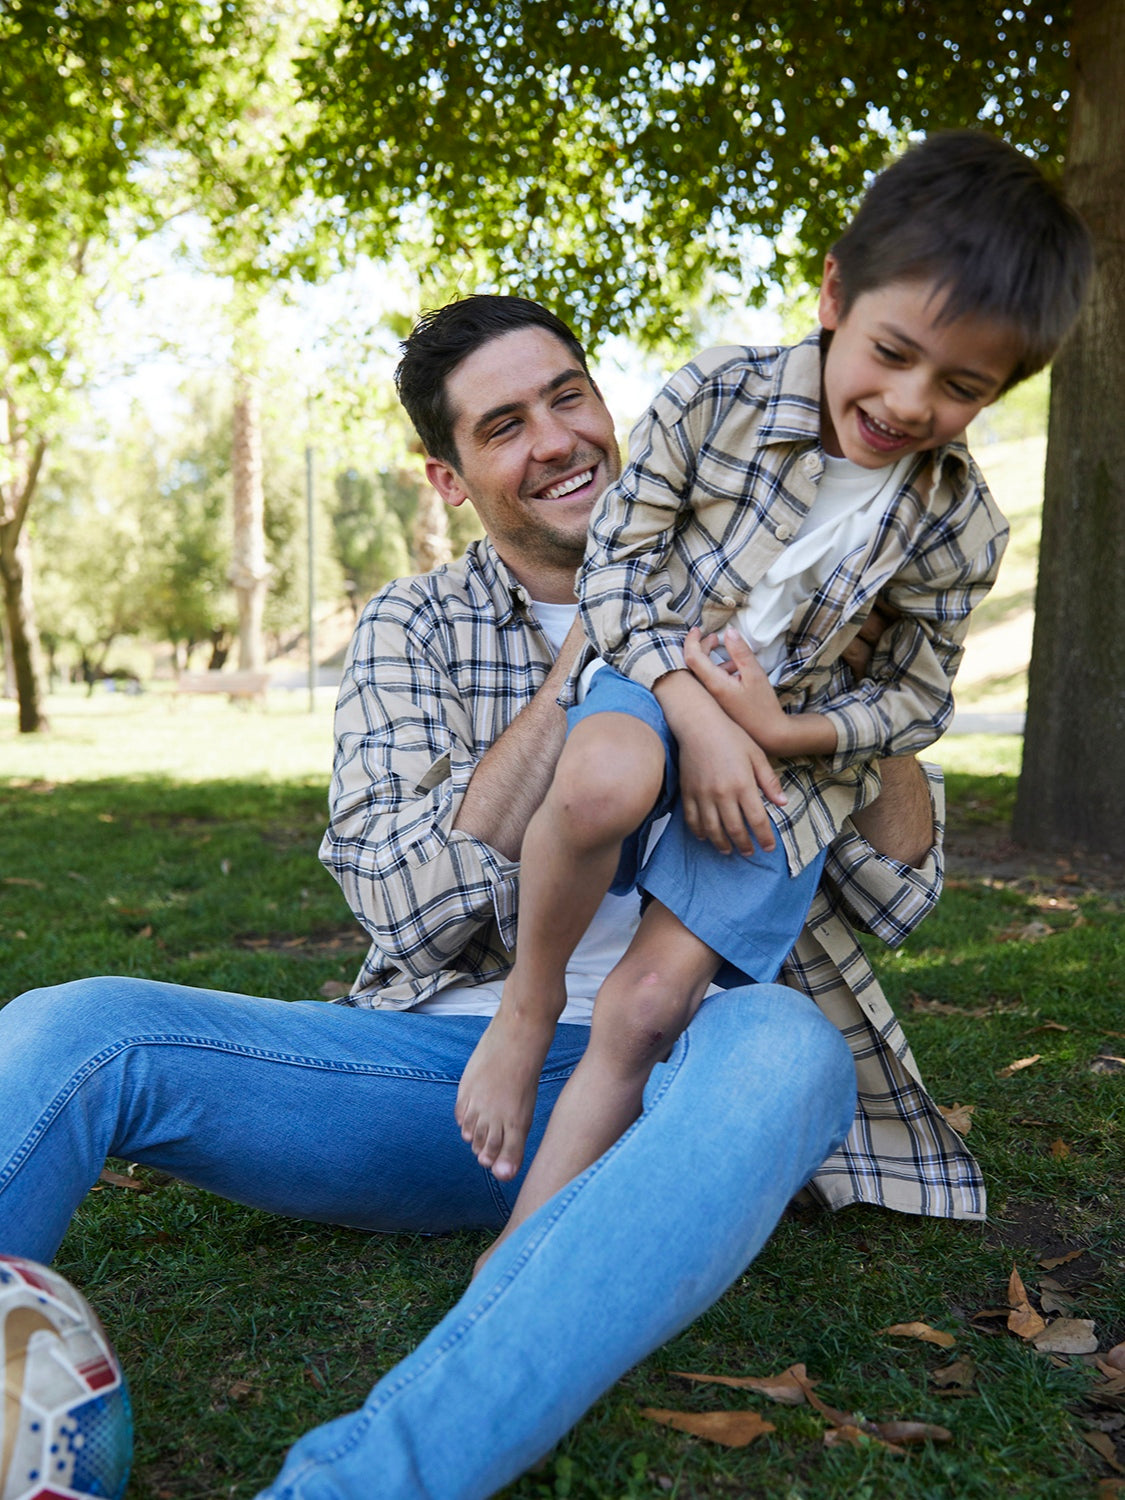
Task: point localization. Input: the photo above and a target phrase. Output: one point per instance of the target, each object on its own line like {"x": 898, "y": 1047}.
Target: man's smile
{"x": 565, "y": 487}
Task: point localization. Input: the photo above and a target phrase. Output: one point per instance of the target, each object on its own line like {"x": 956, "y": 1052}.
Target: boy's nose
{"x": 908, "y": 402}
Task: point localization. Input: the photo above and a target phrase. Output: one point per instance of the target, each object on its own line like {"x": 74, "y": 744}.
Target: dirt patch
{"x": 983, "y": 851}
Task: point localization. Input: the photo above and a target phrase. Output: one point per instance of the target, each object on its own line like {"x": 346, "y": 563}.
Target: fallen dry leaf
{"x": 1107, "y": 1064}
{"x": 35, "y": 885}
{"x": 119, "y": 1179}
{"x": 911, "y": 1432}
{"x": 955, "y": 1379}
{"x": 1054, "y": 1302}
{"x": 1067, "y": 1336}
{"x": 1023, "y": 1320}
{"x": 1053, "y": 1262}
{"x": 1109, "y": 1489}
{"x": 734, "y": 1429}
{"x": 1046, "y": 1026}
{"x": 1019, "y": 1065}
{"x": 1059, "y": 1149}
{"x": 943, "y": 1008}
{"x": 857, "y": 1437}
{"x": 958, "y": 1117}
{"x": 921, "y": 1331}
{"x": 1116, "y": 1357}
{"x": 1105, "y": 1447}
{"x": 790, "y": 1387}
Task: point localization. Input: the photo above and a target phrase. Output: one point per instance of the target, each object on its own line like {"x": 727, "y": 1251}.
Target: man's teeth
{"x": 568, "y": 486}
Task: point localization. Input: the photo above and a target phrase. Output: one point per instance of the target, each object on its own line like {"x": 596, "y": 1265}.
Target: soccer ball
{"x": 67, "y": 1428}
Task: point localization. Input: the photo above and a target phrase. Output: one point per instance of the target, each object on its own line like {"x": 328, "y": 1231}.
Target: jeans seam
{"x": 172, "y": 1039}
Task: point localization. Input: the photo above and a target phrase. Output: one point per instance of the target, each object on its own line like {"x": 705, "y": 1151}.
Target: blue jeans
{"x": 344, "y": 1115}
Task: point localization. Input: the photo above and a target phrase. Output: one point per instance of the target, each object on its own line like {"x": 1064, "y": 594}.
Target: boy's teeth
{"x": 569, "y": 485}
{"x": 882, "y": 427}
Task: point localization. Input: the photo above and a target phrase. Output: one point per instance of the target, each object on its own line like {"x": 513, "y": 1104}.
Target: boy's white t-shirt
{"x": 606, "y": 938}
{"x": 850, "y": 502}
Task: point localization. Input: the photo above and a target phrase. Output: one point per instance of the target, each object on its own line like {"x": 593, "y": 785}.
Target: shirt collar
{"x": 487, "y": 572}
{"x": 793, "y": 410}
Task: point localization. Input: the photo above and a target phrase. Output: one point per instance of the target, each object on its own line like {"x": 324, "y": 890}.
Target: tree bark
{"x": 21, "y": 638}
{"x": 1070, "y": 788}
{"x": 430, "y": 542}
{"x": 249, "y": 571}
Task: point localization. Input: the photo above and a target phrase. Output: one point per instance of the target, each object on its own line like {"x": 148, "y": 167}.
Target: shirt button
{"x": 783, "y": 532}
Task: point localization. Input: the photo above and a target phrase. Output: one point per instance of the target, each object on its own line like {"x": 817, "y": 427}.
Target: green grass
{"x": 240, "y": 1330}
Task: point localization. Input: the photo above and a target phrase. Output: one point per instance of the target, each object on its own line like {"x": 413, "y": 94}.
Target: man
{"x": 447, "y": 732}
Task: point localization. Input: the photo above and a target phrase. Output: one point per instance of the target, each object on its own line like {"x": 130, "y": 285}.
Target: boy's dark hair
{"x": 442, "y": 339}
{"x": 981, "y": 221}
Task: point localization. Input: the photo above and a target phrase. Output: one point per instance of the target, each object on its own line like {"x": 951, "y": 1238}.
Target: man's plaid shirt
{"x": 438, "y": 668}
{"x": 722, "y": 471}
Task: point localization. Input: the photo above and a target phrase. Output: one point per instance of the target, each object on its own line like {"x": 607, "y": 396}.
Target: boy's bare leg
{"x": 608, "y": 778}
{"x": 641, "y": 1009}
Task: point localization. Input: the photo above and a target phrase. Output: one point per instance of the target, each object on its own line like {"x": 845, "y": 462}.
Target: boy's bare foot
{"x": 496, "y": 1097}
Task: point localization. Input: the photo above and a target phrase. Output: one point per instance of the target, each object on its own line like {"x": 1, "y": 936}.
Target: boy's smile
{"x": 895, "y": 381}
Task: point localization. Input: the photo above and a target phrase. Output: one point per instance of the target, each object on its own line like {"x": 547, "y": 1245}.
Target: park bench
{"x": 236, "y": 685}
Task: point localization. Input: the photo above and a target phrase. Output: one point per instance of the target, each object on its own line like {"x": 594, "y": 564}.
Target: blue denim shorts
{"x": 748, "y": 908}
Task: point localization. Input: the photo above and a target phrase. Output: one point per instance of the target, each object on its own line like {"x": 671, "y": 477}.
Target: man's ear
{"x": 446, "y": 480}
{"x": 831, "y": 304}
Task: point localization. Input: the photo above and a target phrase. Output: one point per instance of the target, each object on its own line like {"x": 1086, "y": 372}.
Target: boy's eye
{"x": 965, "y": 393}
{"x": 885, "y": 352}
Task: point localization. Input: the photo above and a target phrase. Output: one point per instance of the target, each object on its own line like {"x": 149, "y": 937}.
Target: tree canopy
{"x": 612, "y": 154}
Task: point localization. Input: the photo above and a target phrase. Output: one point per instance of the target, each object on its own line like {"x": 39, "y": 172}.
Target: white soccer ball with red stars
{"x": 67, "y": 1428}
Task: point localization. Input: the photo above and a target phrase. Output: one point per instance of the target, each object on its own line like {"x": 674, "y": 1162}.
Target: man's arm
{"x": 423, "y": 863}
{"x": 511, "y": 778}
{"x": 899, "y": 824}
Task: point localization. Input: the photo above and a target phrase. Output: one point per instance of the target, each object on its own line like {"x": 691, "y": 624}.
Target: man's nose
{"x": 552, "y": 438}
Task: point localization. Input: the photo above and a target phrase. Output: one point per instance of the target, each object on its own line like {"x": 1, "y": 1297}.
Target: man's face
{"x": 897, "y": 382}
{"x": 535, "y": 450}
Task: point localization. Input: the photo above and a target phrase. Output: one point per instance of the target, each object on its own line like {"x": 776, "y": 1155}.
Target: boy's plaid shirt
{"x": 722, "y": 471}
{"x": 438, "y": 668}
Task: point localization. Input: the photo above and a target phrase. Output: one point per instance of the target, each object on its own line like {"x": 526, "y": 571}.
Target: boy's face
{"x": 896, "y": 382}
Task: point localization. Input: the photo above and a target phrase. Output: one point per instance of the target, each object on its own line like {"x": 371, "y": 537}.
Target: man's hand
{"x": 724, "y": 773}
{"x": 858, "y": 652}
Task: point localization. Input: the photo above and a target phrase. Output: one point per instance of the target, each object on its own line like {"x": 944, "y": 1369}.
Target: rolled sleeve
{"x": 884, "y": 896}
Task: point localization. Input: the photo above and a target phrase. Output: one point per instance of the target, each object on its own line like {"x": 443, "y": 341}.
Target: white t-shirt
{"x": 850, "y": 502}
{"x": 606, "y": 938}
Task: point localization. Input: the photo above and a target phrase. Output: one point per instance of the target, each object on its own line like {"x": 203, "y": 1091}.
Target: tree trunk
{"x": 249, "y": 571}
{"x": 9, "y": 688}
{"x": 1074, "y": 748}
{"x": 21, "y": 639}
{"x": 27, "y": 662}
{"x": 430, "y": 542}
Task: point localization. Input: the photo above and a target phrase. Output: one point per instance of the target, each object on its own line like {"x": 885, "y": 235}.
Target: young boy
{"x": 780, "y": 491}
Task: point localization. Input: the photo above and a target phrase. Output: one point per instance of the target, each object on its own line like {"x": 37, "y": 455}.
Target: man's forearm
{"x": 900, "y": 822}
{"x": 512, "y": 776}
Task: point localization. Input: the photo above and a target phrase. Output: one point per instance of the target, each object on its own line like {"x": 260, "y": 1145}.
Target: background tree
{"x": 621, "y": 157}
{"x": 87, "y": 91}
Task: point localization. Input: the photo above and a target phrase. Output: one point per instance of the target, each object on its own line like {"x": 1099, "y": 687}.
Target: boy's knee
{"x": 601, "y": 784}
{"x": 635, "y": 1024}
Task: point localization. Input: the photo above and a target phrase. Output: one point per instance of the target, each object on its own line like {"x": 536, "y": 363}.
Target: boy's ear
{"x": 831, "y": 303}
{"x": 446, "y": 480}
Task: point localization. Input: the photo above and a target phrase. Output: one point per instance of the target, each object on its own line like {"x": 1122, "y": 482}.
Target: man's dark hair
{"x": 442, "y": 339}
{"x": 979, "y": 220}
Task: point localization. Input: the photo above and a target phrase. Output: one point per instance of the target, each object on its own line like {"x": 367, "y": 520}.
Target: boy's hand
{"x": 745, "y": 694}
{"x": 740, "y": 687}
{"x": 724, "y": 773}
